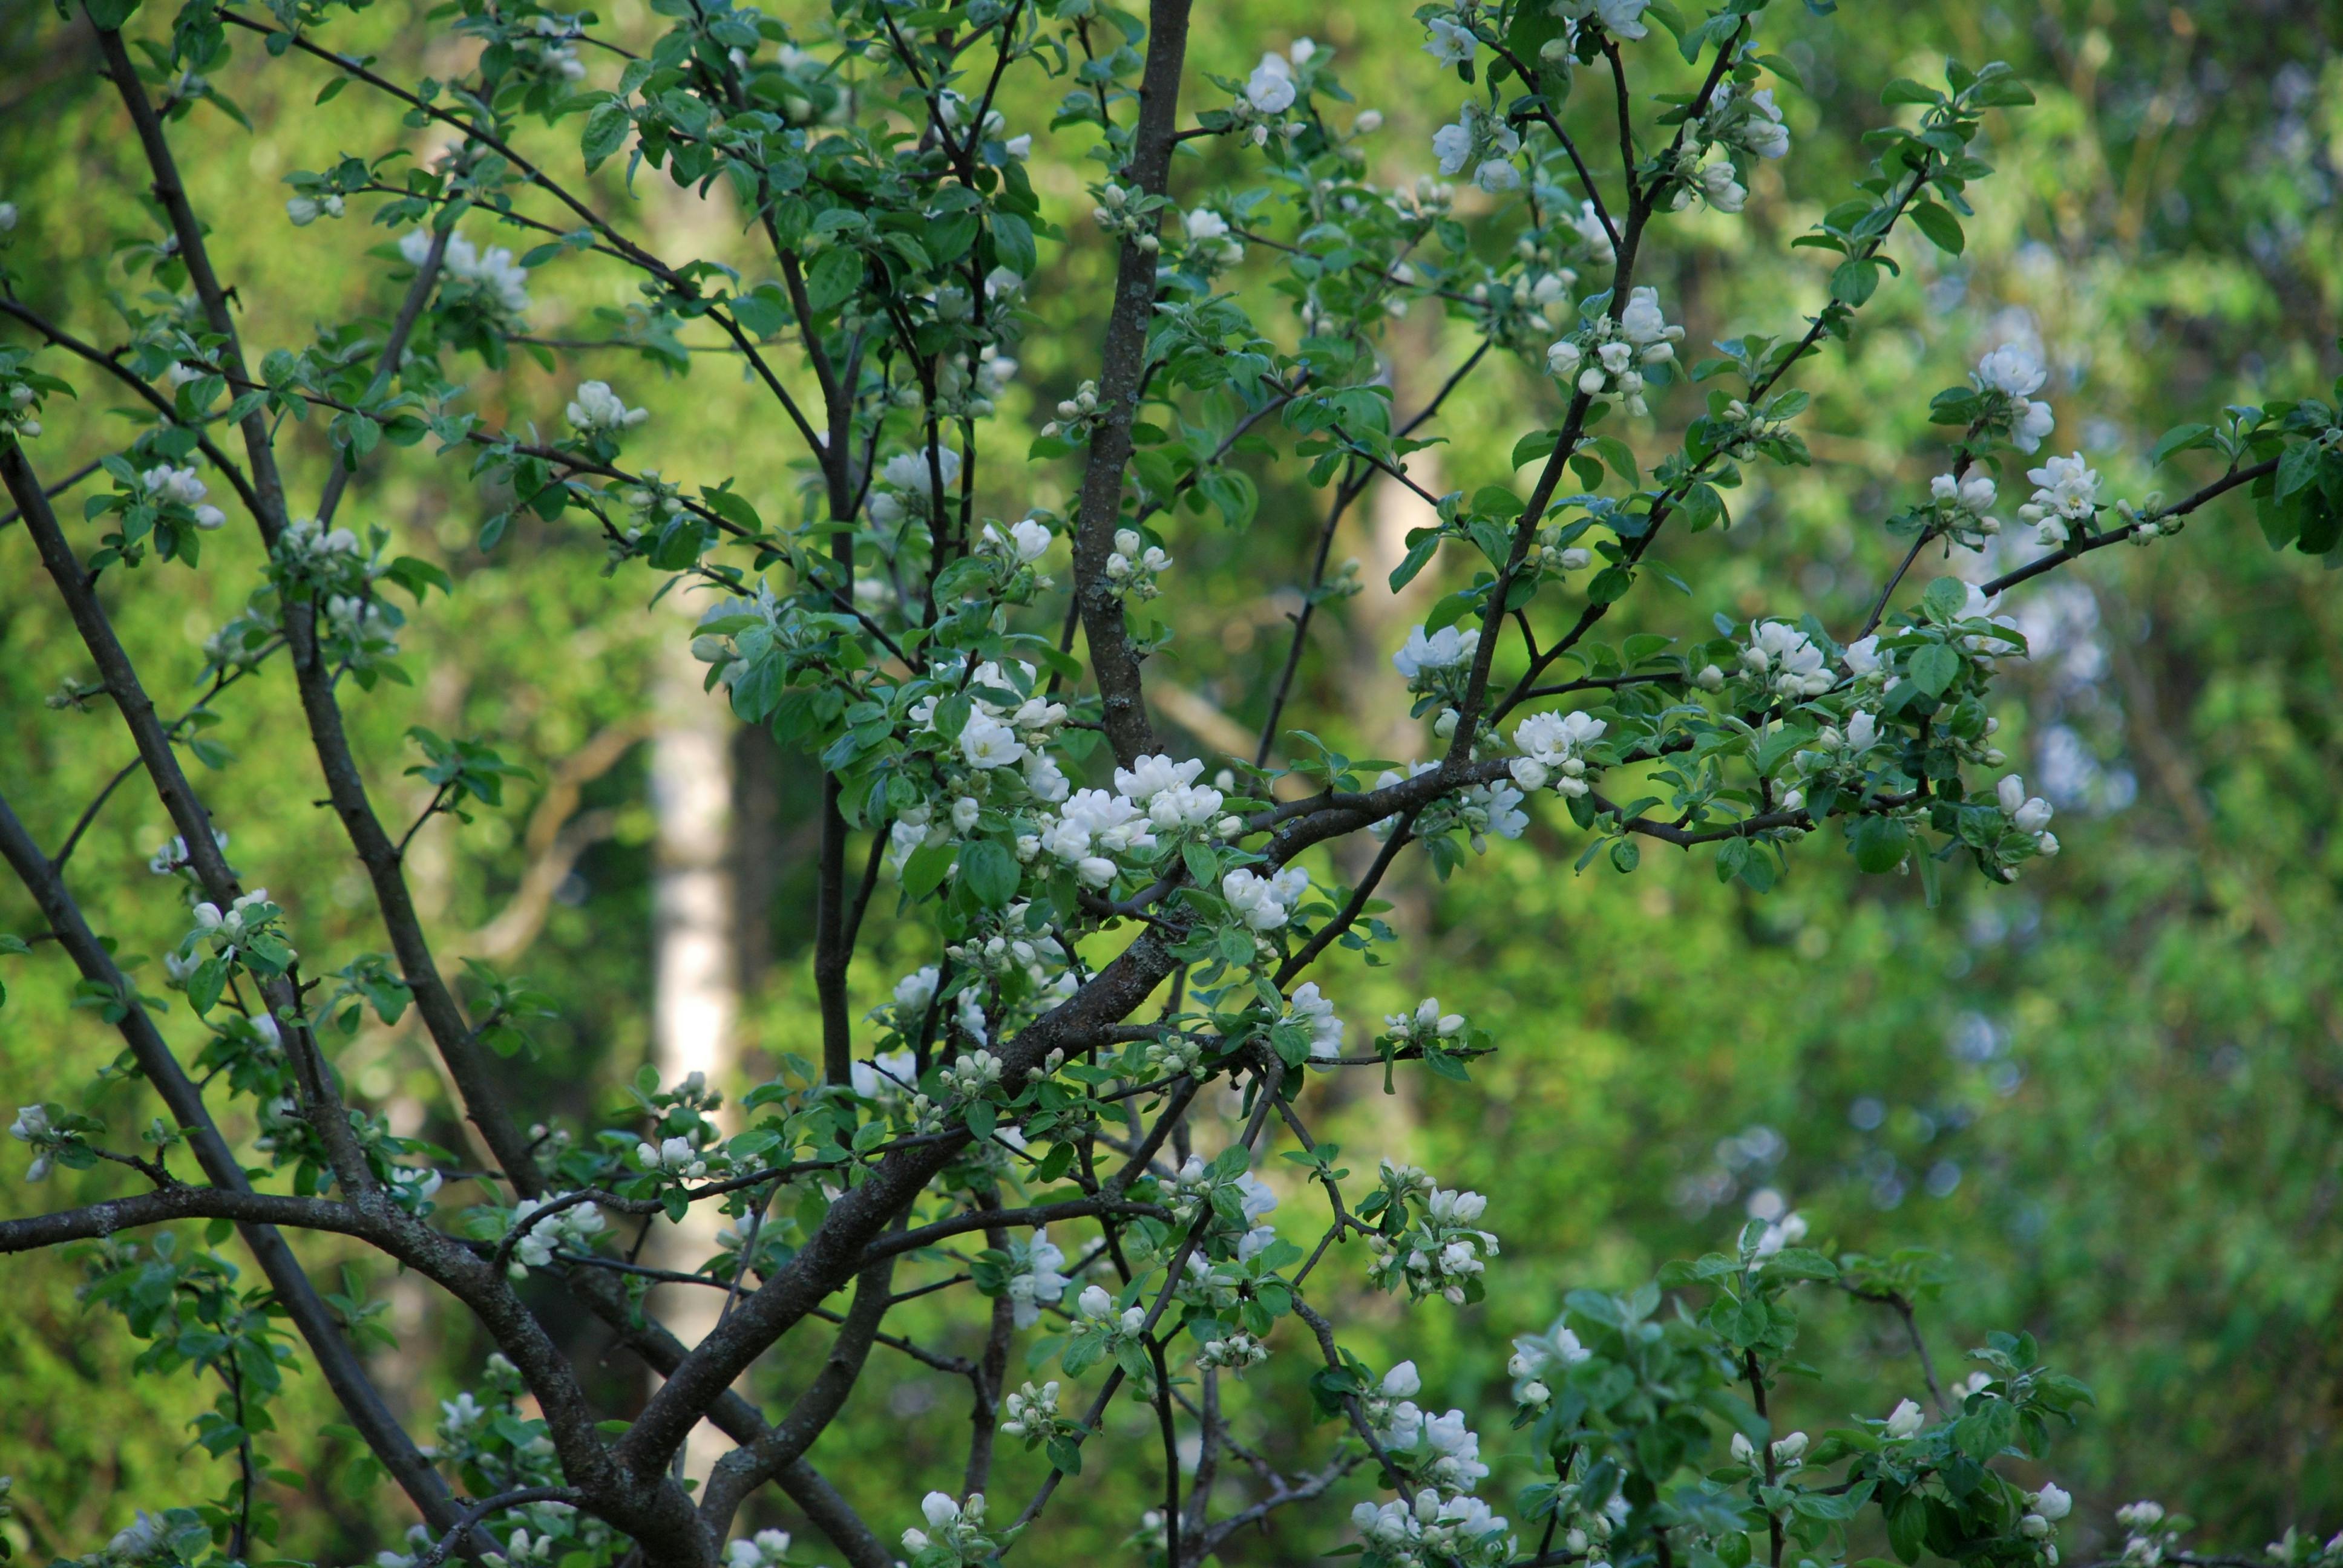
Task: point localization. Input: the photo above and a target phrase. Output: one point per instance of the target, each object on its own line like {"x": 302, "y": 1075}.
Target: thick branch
{"x": 1122, "y": 372}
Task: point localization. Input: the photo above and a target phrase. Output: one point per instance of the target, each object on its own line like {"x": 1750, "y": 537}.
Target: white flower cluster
{"x": 1787, "y": 1452}
{"x": 890, "y": 1075}
{"x": 1443, "y": 1251}
{"x": 1236, "y": 1352}
{"x": 961, "y": 389}
{"x": 2148, "y": 1535}
{"x": 555, "y": 51}
{"x": 1174, "y": 800}
{"x": 1745, "y": 426}
{"x": 33, "y": 1127}
{"x": 1426, "y": 1025}
{"x": 1834, "y": 748}
{"x": 1538, "y": 1358}
{"x": 328, "y": 561}
{"x": 1712, "y": 182}
{"x": 1198, "y": 1187}
{"x": 678, "y": 1157}
{"x": 2065, "y": 496}
{"x": 955, "y": 1530}
{"x": 1313, "y": 1011}
{"x": 137, "y": 1541}
{"x": 1552, "y": 555}
{"x": 1078, "y": 416}
{"x": 1025, "y": 543}
{"x": 1750, "y": 122}
{"x": 1269, "y": 91}
{"x": 16, "y": 412}
{"x": 1485, "y": 142}
{"x": 2044, "y": 1509}
{"x": 230, "y": 931}
{"x": 495, "y": 278}
{"x": 1604, "y": 356}
{"x": 1553, "y": 748}
{"x": 1210, "y": 243}
{"x": 1174, "y": 1055}
{"x": 972, "y": 1074}
{"x": 1133, "y": 565}
{"x": 1492, "y": 807}
{"x": 1423, "y": 661}
{"x": 766, "y": 1549}
{"x": 1960, "y": 508}
{"x": 1786, "y": 661}
{"x": 412, "y": 1187}
{"x": 1095, "y": 1313}
{"x": 1036, "y": 1282}
{"x": 1264, "y": 903}
{"x": 305, "y": 210}
{"x": 1090, "y": 829}
{"x": 1462, "y": 1530}
{"x": 1620, "y": 18}
{"x": 1593, "y": 239}
{"x": 1450, "y": 44}
{"x": 596, "y": 410}
{"x": 906, "y": 486}
{"x": 2014, "y": 375}
{"x": 1129, "y": 214}
{"x": 1033, "y": 1414}
{"x": 2029, "y": 814}
{"x": 166, "y": 485}
{"x": 1389, "y": 1407}
{"x": 573, "y": 1227}
{"x": 172, "y": 858}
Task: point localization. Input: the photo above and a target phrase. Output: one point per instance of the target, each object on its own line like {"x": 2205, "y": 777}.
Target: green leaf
{"x": 1905, "y": 90}
{"x": 2179, "y": 439}
{"x": 1907, "y": 1526}
{"x": 1943, "y": 229}
{"x": 203, "y": 986}
{"x": 923, "y": 873}
{"x": 1879, "y": 842}
{"x": 2002, "y": 92}
{"x": 606, "y": 132}
{"x": 1854, "y": 281}
{"x": 1934, "y": 667}
{"x": 990, "y": 873}
{"x": 2296, "y": 468}
{"x": 1945, "y": 596}
{"x": 835, "y": 276}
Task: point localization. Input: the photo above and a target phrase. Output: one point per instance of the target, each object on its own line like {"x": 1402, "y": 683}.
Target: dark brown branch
{"x": 1121, "y": 370}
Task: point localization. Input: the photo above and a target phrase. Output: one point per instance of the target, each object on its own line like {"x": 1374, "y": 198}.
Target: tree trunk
{"x": 696, "y": 969}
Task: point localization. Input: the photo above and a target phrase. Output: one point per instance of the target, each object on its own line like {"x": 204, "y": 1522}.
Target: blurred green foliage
{"x": 2112, "y": 1095}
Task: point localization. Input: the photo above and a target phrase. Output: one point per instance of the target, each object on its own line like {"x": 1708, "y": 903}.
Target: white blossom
{"x": 1442, "y": 650}
{"x": 1311, "y": 1009}
{"x": 597, "y": 408}
{"x": 1620, "y": 18}
{"x": 987, "y": 743}
{"x": 1270, "y": 88}
{"x": 1264, "y": 903}
{"x": 2066, "y": 492}
{"x": 1787, "y": 660}
{"x": 1450, "y": 45}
